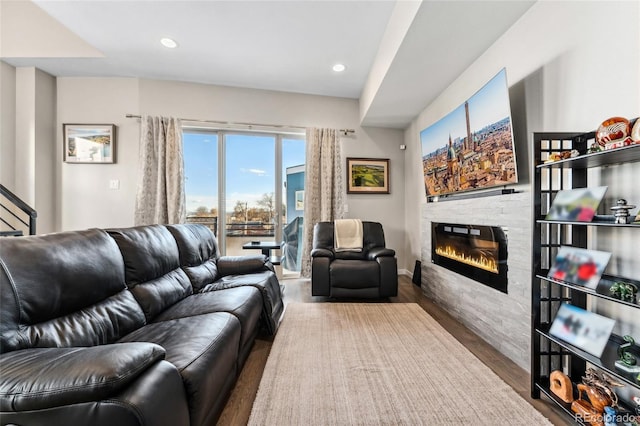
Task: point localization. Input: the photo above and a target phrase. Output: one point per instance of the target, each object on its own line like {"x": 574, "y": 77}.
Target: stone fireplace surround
{"x": 503, "y": 320}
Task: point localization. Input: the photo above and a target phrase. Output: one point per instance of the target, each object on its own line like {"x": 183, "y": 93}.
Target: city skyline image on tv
{"x": 472, "y": 146}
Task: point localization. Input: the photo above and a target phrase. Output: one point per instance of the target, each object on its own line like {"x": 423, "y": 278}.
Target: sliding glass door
{"x": 251, "y": 212}
{"x": 247, "y": 187}
{"x": 201, "y": 177}
{"x": 292, "y": 187}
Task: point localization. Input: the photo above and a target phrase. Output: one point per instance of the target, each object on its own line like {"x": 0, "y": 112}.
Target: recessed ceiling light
{"x": 339, "y": 67}
{"x": 169, "y": 43}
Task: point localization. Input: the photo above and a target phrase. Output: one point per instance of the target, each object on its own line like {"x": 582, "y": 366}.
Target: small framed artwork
{"x": 89, "y": 143}
{"x": 367, "y": 175}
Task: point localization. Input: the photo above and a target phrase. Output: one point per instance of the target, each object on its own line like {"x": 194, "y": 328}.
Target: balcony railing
{"x": 236, "y": 229}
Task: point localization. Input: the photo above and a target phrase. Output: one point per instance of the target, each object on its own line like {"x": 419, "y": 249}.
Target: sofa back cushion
{"x": 198, "y": 253}
{"x": 152, "y": 267}
{"x": 64, "y": 289}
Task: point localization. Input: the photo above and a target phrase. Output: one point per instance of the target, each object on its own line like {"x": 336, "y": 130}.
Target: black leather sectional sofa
{"x": 134, "y": 326}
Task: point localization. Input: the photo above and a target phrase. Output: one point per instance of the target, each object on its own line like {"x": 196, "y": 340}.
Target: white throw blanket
{"x": 347, "y": 235}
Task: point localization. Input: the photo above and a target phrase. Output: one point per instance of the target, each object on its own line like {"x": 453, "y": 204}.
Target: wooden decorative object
{"x": 560, "y": 384}
{"x": 586, "y": 412}
{"x": 598, "y": 399}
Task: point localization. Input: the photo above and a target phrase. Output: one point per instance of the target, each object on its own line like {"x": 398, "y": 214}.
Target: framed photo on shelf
{"x": 579, "y": 266}
{"x": 367, "y": 176}
{"x": 583, "y": 329}
{"x": 579, "y": 205}
{"x": 89, "y": 143}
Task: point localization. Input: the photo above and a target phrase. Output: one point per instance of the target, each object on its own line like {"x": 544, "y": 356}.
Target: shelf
{"x": 606, "y": 224}
{"x": 275, "y": 260}
{"x": 603, "y": 286}
{"x": 605, "y": 363}
{"x": 545, "y": 389}
{"x": 548, "y": 293}
{"x": 625, "y": 154}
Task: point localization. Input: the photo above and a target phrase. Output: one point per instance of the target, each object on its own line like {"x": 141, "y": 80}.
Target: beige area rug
{"x": 378, "y": 364}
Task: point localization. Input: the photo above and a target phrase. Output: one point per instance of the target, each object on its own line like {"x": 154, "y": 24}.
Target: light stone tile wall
{"x": 501, "y": 319}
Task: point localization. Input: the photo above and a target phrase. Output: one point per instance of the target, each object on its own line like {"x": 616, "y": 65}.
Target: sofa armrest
{"x": 320, "y": 252}
{"x": 320, "y": 276}
{"x": 239, "y": 265}
{"x": 40, "y": 378}
{"x": 377, "y": 252}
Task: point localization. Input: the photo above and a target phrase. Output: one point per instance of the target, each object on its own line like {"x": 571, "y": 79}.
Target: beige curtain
{"x": 323, "y": 186}
{"x": 160, "y": 194}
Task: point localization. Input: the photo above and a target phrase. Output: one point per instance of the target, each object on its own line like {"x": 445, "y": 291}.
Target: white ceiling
{"x": 275, "y": 45}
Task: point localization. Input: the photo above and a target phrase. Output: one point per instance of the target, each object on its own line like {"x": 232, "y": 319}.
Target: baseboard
{"x": 405, "y": 272}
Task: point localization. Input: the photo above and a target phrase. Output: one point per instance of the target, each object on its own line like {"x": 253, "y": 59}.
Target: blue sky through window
{"x": 250, "y": 167}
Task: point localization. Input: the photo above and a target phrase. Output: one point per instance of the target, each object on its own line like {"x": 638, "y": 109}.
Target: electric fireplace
{"x": 477, "y": 252}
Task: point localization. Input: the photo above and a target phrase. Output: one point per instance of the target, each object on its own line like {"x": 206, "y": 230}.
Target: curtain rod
{"x": 345, "y": 132}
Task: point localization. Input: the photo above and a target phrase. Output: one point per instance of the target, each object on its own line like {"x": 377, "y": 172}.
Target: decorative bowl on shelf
{"x": 613, "y": 130}
{"x": 635, "y": 132}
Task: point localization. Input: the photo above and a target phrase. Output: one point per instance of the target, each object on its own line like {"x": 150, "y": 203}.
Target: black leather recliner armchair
{"x": 371, "y": 273}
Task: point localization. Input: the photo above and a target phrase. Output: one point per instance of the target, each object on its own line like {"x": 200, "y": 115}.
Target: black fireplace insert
{"x": 475, "y": 251}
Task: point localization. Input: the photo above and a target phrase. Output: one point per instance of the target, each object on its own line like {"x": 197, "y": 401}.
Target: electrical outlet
{"x": 114, "y": 184}
{"x": 346, "y": 208}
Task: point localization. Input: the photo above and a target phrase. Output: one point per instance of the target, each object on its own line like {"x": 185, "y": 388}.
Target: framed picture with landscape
{"x": 367, "y": 175}
{"x": 89, "y": 143}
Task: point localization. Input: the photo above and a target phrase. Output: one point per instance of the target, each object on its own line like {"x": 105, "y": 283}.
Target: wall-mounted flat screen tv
{"x": 472, "y": 147}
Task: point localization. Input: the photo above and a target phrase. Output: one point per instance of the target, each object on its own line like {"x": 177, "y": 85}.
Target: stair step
{"x": 14, "y": 233}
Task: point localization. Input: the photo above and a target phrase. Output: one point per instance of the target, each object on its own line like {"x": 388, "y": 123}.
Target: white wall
{"x": 568, "y": 70}
{"x": 560, "y": 54}
{"x": 45, "y": 149}
{"x": 399, "y": 23}
{"x": 7, "y": 125}
{"x": 86, "y": 200}
{"x": 25, "y": 135}
{"x": 27, "y": 139}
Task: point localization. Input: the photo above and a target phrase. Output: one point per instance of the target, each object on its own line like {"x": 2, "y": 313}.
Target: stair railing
{"x": 10, "y": 208}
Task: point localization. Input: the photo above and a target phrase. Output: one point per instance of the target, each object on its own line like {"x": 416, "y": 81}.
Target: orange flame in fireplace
{"x": 481, "y": 262}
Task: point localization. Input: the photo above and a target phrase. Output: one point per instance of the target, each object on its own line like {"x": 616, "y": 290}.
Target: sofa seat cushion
{"x": 204, "y": 349}
{"x": 354, "y": 274}
{"x": 267, "y": 283}
{"x": 245, "y": 303}
{"x": 35, "y": 379}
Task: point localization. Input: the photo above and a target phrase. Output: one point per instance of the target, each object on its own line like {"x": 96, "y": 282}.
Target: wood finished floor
{"x": 238, "y": 407}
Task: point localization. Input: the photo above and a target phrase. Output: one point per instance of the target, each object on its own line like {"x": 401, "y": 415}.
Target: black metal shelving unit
{"x": 548, "y": 352}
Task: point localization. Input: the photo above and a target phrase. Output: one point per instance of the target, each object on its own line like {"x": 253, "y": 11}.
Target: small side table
{"x": 266, "y": 247}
